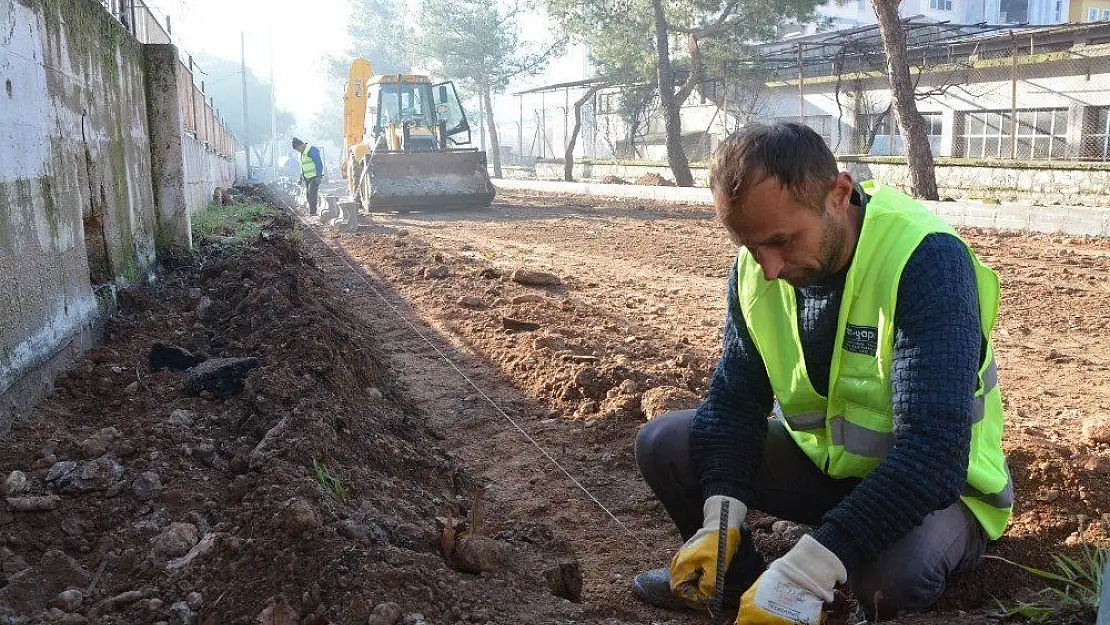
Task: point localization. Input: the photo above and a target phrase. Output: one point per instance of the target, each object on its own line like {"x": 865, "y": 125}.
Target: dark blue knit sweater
{"x": 937, "y": 351}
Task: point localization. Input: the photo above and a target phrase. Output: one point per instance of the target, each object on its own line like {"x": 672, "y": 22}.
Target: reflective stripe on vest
{"x": 849, "y": 432}
{"x": 308, "y": 166}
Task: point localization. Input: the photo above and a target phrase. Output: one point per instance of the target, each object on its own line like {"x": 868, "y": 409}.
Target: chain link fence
{"x": 986, "y": 93}
{"x": 199, "y": 115}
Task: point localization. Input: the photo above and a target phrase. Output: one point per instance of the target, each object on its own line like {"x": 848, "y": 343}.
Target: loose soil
{"x": 641, "y": 300}
{"x": 242, "y": 523}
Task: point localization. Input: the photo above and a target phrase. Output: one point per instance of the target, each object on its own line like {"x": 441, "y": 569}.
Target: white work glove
{"x": 795, "y": 588}
{"x": 694, "y": 568}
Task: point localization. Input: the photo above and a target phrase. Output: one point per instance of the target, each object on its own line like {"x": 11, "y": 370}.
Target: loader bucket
{"x": 428, "y": 181}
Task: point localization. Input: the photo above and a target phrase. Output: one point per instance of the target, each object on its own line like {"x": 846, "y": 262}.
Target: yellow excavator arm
{"x": 354, "y": 110}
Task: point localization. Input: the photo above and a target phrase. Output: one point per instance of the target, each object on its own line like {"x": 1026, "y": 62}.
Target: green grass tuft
{"x": 329, "y": 481}
{"x": 1074, "y": 585}
{"x": 235, "y": 223}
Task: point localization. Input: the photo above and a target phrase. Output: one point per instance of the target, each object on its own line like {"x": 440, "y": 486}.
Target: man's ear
{"x": 840, "y": 196}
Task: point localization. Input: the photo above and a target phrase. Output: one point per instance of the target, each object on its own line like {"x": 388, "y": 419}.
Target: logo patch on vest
{"x": 861, "y": 339}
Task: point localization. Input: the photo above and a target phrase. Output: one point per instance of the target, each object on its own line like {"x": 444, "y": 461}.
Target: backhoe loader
{"x": 403, "y": 137}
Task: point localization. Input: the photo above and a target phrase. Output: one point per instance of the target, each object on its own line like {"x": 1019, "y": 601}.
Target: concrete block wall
{"x": 76, "y": 209}
{"x": 1072, "y": 184}
{"x": 204, "y": 171}
{"x": 96, "y": 174}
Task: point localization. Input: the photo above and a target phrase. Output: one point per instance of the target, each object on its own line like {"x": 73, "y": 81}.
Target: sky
{"x": 299, "y": 35}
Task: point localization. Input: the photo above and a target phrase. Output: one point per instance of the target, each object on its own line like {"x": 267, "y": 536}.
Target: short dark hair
{"x": 792, "y": 154}
{"x": 297, "y": 142}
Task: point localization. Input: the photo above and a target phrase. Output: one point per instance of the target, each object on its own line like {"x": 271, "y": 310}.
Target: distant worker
{"x": 857, "y": 392}
{"x": 312, "y": 170}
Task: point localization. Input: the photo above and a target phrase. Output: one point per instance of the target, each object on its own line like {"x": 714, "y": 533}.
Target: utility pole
{"x": 246, "y": 118}
{"x": 273, "y": 109}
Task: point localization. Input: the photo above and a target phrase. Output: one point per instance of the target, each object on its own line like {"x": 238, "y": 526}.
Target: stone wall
{"x": 204, "y": 171}
{"x": 1048, "y": 183}
{"x": 1069, "y": 184}
{"x": 184, "y": 169}
{"x": 551, "y": 169}
{"x": 76, "y": 203}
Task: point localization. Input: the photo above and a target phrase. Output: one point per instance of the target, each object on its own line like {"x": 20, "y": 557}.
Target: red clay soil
{"x": 196, "y": 509}
{"x": 637, "y": 315}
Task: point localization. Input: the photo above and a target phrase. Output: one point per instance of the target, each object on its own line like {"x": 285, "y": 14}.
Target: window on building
{"x": 1041, "y": 134}
{"x": 888, "y": 136}
{"x": 940, "y": 5}
{"x": 1106, "y": 14}
{"x": 1096, "y": 144}
{"x": 1092, "y": 15}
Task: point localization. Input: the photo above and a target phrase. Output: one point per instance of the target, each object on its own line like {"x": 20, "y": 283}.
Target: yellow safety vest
{"x": 848, "y": 433}
{"x": 308, "y": 166}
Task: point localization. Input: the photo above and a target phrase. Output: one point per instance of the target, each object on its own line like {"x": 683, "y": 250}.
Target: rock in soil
{"x": 387, "y": 613}
{"x": 223, "y": 377}
{"x": 116, "y": 602}
{"x": 14, "y": 485}
{"x": 472, "y": 301}
{"x": 68, "y": 600}
{"x": 662, "y": 399}
{"x": 535, "y": 278}
{"x": 166, "y": 356}
{"x": 68, "y": 476}
{"x": 176, "y": 541}
{"x": 517, "y": 325}
{"x": 475, "y": 554}
{"x": 31, "y": 589}
{"x": 300, "y": 517}
{"x": 183, "y": 614}
{"x": 198, "y": 551}
{"x": 438, "y": 272}
{"x": 278, "y": 612}
{"x": 528, "y": 298}
{"x": 1097, "y": 430}
{"x": 146, "y": 486}
{"x": 98, "y": 444}
{"x": 182, "y": 417}
{"x": 34, "y": 503}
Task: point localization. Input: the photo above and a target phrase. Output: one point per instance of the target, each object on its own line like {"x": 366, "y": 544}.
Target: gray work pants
{"x": 312, "y": 190}
{"x": 911, "y": 574}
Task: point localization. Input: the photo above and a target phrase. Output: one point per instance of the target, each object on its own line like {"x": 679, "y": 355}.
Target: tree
{"x": 480, "y": 45}
{"x": 568, "y": 153}
{"x": 223, "y": 83}
{"x": 636, "y": 42}
{"x": 919, "y": 156}
{"x": 378, "y": 33}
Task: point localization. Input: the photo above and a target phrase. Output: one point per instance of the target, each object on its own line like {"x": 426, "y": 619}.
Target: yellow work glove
{"x": 795, "y": 588}
{"x": 694, "y": 567}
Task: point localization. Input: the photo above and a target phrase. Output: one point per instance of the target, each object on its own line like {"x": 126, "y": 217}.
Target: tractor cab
{"x": 406, "y": 113}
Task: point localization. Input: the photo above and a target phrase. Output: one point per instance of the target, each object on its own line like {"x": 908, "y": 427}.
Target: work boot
{"x": 654, "y": 587}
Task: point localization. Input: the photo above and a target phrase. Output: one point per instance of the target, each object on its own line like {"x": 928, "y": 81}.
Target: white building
{"x": 1050, "y": 101}
{"x": 848, "y": 13}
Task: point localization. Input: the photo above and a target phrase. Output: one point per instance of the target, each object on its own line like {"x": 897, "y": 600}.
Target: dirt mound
{"x": 611, "y": 179}
{"x": 317, "y": 490}
{"x": 654, "y": 180}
